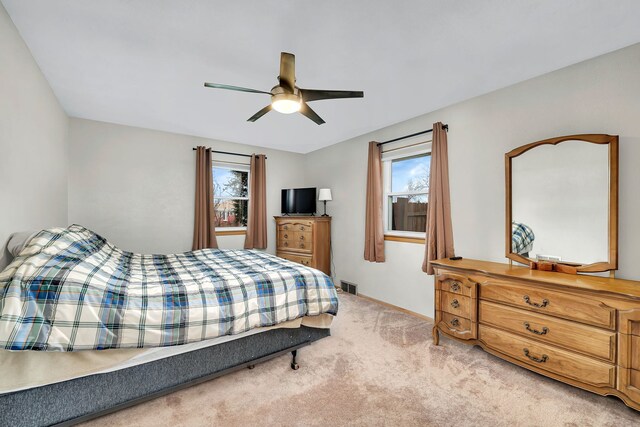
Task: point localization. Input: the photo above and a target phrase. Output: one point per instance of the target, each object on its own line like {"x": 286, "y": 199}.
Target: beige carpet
{"x": 380, "y": 368}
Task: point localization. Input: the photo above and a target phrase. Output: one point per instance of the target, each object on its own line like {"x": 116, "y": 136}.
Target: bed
{"x": 77, "y": 314}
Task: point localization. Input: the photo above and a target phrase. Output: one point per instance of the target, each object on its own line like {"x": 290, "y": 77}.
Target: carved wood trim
{"x": 625, "y": 320}
{"x": 612, "y": 141}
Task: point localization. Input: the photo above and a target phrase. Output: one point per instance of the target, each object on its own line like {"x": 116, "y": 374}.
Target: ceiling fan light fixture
{"x": 286, "y": 103}
{"x": 286, "y": 97}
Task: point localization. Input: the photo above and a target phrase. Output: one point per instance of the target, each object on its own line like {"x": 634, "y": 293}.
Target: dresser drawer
{"x": 302, "y": 247}
{"x": 455, "y": 304}
{"x": 283, "y": 242}
{"x": 286, "y": 235}
{"x": 295, "y": 236}
{"x": 295, "y": 225}
{"x": 574, "y": 336}
{"x": 548, "y": 358}
{"x": 457, "y": 284}
{"x": 569, "y": 306}
{"x": 295, "y": 241}
{"x": 304, "y": 260}
{"x": 457, "y": 326}
{"x": 304, "y": 237}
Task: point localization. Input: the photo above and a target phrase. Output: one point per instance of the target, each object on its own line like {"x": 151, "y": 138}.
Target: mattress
{"x": 21, "y": 370}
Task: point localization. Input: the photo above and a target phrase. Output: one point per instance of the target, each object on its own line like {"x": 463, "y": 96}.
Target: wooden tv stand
{"x": 581, "y": 330}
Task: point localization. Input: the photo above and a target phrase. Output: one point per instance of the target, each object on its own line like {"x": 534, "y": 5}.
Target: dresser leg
{"x": 436, "y": 335}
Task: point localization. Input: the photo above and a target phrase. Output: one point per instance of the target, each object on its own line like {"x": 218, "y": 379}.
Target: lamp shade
{"x": 324, "y": 194}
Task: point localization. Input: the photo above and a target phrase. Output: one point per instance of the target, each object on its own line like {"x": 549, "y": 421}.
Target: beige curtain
{"x": 374, "y": 229}
{"x": 439, "y": 239}
{"x": 257, "y": 221}
{"x": 204, "y": 231}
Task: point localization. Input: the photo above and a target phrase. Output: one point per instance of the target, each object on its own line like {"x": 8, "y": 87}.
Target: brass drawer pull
{"x": 302, "y": 228}
{"x": 286, "y": 236}
{"x": 302, "y": 245}
{"x": 545, "y": 302}
{"x": 455, "y": 303}
{"x": 543, "y": 359}
{"x": 301, "y": 237}
{"x": 455, "y": 286}
{"x": 285, "y": 227}
{"x": 455, "y": 322}
{"x": 286, "y": 243}
{"x": 544, "y": 331}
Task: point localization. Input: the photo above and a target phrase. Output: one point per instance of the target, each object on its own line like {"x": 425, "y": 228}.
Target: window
{"x": 406, "y": 191}
{"x": 230, "y": 195}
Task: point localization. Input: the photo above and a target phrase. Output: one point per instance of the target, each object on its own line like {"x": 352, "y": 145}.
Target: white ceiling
{"x": 143, "y": 63}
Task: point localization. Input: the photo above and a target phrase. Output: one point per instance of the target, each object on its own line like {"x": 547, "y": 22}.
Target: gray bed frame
{"x": 82, "y": 399}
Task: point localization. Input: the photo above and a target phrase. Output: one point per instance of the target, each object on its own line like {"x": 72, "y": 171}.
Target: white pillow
{"x": 13, "y": 247}
{"x": 17, "y": 241}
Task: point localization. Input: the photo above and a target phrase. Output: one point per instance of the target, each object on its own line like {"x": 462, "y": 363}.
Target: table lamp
{"x": 323, "y": 196}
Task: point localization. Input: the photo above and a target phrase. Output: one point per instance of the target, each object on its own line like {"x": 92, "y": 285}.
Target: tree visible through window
{"x": 407, "y": 193}
{"x": 230, "y": 195}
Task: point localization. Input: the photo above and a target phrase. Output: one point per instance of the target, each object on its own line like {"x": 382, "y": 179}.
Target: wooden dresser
{"x": 306, "y": 240}
{"x": 581, "y": 330}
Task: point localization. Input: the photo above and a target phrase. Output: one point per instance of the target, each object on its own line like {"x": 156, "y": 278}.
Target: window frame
{"x": 241, "y": 167}
{"x": 414, "y": 150}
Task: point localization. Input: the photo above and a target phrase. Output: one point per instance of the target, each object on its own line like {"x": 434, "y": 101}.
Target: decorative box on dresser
{"x": 581, "y": 330}
{"x": 305, "y": 240}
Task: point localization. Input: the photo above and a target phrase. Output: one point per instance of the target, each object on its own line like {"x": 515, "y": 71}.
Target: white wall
{"x": 601, "y": 95}
{"x": 136, "y": 186}
{"x": 33, "y": 141}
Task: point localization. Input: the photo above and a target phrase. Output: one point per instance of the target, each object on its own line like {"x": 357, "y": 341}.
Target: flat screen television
{"x": 298, "y": 201}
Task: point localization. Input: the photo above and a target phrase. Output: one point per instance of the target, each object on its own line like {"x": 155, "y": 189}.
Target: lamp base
{"x": 325, "y": 208}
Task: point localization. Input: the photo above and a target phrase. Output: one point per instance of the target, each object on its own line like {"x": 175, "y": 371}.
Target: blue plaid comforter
{"x": 70, "y": 289}
{"x": 522, "y": 238}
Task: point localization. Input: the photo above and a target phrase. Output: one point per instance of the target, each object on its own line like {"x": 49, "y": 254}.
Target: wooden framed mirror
{"x": 562, "y": 202}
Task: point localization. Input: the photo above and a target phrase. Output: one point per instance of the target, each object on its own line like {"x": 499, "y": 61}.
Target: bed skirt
{"x": 87, "y": 397}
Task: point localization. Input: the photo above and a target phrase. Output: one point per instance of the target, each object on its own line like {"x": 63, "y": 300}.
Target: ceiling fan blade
{"x": 237, "y": 88}
{"x": 306, "y": 111}
{"x": 287, "y": 75}
{"x": 316, "y": 95}
{"x": 260, "y": 113}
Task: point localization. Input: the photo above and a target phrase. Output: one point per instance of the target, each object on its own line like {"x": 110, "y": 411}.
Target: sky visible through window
{"x": 226, "y": 184}
{"x": 410, "y": 174}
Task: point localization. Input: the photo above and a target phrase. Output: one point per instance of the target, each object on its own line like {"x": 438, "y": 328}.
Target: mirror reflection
{"x": 560, "y": 203}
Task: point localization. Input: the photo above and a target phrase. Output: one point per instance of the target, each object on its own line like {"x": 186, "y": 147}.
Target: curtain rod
{"x": 445, "y": 127}
{"x": 230, "y": 153}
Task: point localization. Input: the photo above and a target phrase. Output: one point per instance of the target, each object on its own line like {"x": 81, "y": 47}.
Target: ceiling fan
{"x": 288, "y": 98}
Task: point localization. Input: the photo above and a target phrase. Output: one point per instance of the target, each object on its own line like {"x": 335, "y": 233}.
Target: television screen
{"x": 299, "y": 201}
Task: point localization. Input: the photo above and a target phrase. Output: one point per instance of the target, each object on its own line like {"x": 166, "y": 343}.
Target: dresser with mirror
{"x": 556, "y": 307}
